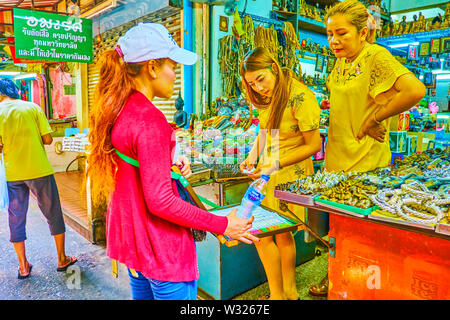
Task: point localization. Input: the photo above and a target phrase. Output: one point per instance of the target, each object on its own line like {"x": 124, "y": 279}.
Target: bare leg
{"x": 286, "y": 246}
{"x": 24, "y": 266}
{"x": 271, "y": 260}
{"x": 60, "y": 242}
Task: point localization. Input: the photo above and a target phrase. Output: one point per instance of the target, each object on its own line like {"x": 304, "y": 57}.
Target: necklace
{"x": 413, "y": 202}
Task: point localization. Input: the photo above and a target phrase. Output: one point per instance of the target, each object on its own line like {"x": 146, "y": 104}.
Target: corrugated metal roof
{"x": 26, "y": 4}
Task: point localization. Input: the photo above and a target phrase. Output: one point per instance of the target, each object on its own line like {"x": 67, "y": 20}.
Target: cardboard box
{"x": 400, "y": 122}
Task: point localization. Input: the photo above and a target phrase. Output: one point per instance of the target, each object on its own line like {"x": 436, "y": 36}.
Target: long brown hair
{"x": 357, "y": 15}
{"x": 260, "y": 58}
{"x": 115, "y": 85}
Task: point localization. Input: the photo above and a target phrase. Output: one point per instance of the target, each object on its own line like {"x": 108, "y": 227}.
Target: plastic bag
{"x": 4, "y": 199}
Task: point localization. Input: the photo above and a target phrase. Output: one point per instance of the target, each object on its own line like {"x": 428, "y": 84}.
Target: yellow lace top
{"x": 354, "y": 96}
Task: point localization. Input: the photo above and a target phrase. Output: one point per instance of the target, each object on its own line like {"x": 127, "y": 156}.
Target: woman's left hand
{"x": 267, "y": 170}
{"x": 256, "y": 174}
{"x": 184, "y": 165}
{"x": 371, "y": 128}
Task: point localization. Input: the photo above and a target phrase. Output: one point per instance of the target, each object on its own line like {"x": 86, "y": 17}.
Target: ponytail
{"x": 112, "y": 91}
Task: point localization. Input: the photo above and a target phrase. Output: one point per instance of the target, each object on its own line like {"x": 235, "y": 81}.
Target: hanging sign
{"x": 41, "y": 35}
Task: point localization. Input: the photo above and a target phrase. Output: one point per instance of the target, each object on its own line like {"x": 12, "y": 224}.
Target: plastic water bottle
{"x": 253, "y": 197}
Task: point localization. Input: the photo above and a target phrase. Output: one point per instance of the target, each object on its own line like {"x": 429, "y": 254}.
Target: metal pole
{"x": 188, "y": 70}
{"x": 284, "y": 207}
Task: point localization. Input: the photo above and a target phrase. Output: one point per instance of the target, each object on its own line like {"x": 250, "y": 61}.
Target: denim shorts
{"x": 46, "y": 193}
{"x": 143, "y": 288}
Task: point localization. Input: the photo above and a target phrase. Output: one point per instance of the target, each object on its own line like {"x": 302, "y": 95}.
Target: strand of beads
{"x": 426, "y": 218}
{"x": 400, "y": 212}
{"x": 401, "y": 202}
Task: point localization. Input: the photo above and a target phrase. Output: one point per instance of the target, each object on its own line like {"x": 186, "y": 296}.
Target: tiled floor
{"x": 72, "y": 194}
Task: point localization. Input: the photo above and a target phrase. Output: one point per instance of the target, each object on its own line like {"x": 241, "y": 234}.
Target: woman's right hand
{"x": 375, "y": 130}
{"x": 237, "y": 228}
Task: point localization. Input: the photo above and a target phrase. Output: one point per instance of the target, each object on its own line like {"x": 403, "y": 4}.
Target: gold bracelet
{"x": 375, "y": 118}
{"x": 278, "y": 164}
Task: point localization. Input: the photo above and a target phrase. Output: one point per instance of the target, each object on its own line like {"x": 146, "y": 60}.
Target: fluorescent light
{"x": 29, "y": 76}
{"x": 9, "y": 73}
{"x": 421, "y": 77}
{"x": 440, "y": 71}
{"x": 401, "y": 45}
{"x": 102, "y": 7}
{"x": 443, "y": 76}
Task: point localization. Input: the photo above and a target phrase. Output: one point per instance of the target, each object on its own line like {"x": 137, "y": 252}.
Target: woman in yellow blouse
{"x": 289, "y": 135}
{"x": 367, "y": 87}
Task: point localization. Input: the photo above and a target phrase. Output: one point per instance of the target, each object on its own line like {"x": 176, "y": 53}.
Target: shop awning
{"x": 27, "y": 4}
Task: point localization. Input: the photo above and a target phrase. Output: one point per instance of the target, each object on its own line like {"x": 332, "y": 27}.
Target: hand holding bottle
{"x": 237, "y": 228}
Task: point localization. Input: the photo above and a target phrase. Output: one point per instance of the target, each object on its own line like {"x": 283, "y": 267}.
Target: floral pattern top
{"x": 355, "y": 95}
{"x": 302, "y": 113}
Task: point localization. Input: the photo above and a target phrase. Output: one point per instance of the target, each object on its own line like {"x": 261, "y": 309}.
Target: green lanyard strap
{"x": 127, "y": 159}
{"x": 173, "y": 175}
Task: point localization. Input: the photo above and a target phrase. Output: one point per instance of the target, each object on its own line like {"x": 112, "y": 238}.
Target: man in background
{"x": 24, "y": 130}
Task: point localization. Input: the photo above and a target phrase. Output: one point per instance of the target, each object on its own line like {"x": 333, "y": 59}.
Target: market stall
{"x": 401, "y": 214}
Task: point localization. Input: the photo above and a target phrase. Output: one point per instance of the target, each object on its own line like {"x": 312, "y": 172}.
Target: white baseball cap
{"x": 147, "y": 41}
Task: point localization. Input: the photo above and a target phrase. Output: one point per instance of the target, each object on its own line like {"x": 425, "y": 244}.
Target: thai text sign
{"x": 47, "y": 36}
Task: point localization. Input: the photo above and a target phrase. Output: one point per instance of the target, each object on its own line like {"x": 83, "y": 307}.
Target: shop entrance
{"x": 72, "y": 193}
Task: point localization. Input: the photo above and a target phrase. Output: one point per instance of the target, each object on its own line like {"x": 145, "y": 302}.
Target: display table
{"x": 228, "y": 271}
{"x": 373, "y": 259}
{"x": 222, "y": 193}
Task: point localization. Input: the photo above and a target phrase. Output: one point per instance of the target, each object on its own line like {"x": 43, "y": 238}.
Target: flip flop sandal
{"x": 320, "y": 290}
{"x": 19, "y": 276}
{"x": 71, "y": 262}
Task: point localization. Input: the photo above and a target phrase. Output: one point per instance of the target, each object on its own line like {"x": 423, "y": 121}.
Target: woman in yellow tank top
{"x": 289, "y": 135}
{"x": 367, "y": 87}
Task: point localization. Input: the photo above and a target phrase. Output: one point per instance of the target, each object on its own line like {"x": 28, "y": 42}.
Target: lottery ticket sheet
{"x": 265, "y": 220}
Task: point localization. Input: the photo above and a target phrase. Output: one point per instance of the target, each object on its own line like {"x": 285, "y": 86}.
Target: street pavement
{"x": 88, "y": 279}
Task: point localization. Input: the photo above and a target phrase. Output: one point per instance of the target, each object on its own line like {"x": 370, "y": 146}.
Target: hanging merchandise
{"x": 282, "y": 43}
{"x": 228, "y": 65}
{"x": 24, "y": 91}
{"x": 267, "y": 38}
{"x": 237, "y": 24}
{"x": 292, "y": 61}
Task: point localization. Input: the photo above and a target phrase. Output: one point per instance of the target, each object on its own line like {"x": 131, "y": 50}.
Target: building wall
{"x": 129, "y": 10}
{"x": 168, "y": 16}
{"x": 63, "y": 105}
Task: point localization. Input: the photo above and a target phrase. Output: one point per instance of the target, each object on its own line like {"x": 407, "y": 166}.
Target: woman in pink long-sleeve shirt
{"x": 148, "y": 225}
